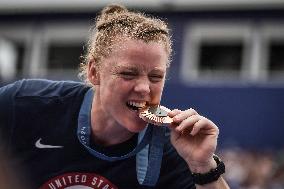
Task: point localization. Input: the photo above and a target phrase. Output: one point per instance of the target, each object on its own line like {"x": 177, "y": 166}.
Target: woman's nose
{"x": 142, "y": 86}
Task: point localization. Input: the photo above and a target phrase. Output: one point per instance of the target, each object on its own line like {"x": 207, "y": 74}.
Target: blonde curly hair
{"x": 116, "y": 23}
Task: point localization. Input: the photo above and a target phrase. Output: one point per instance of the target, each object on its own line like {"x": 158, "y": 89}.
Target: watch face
{"x": 157, "y": 115}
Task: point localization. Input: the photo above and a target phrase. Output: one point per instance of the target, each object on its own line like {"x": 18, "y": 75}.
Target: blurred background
{"x": 228, "y": 64}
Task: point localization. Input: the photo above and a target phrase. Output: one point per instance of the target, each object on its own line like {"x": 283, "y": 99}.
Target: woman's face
{"x": 132, "y": 76}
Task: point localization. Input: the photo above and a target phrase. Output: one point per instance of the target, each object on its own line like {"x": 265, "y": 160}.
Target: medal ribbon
{"x": 149, "y": 149}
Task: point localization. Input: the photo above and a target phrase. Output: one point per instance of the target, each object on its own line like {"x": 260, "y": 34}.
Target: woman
{"x": 126, "y": 66}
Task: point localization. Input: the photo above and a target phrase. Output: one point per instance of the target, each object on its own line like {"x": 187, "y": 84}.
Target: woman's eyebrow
{"x": 126, "y": 67}
{"x": 118, "y": 68}
{"x": 158, "y": 69}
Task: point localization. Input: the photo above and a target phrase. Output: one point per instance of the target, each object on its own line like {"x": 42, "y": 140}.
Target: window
{"x": 20, "y": 49}
{"x": 63, "y": 45}
{"x": 276, "y": 56}
{"x": 63, "y": 57}
{"x": 216, "y": 51}
{"x": 220, "y": 56}
{"x": 273, "y": 44}
{"x": 51, "y": 49}
{"x": 12, "y": 56}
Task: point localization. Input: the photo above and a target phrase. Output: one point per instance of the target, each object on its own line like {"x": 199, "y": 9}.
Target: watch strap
{"x": 212, "y": 175}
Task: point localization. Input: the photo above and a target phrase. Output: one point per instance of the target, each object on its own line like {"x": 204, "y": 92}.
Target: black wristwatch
{"x": 212, "y": 175}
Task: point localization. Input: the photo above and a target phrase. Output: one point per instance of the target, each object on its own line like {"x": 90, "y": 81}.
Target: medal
{"x": 157, "y": 115}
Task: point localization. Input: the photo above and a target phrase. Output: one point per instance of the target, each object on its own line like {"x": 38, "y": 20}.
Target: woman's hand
{"x": 195, "y": 138}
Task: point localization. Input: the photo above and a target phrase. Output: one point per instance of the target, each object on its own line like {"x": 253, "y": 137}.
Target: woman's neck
{"x": 106, "y": 131}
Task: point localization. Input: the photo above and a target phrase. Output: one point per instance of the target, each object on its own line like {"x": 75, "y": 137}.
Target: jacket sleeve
{"x": 7, "y": 96}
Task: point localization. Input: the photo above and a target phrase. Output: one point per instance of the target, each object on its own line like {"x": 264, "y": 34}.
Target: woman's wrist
{"x": 205, "y": 173}
{"x": 202, "y": 167}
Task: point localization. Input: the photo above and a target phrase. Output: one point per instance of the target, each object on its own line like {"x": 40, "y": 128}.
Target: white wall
{"x": 6, "y": 6}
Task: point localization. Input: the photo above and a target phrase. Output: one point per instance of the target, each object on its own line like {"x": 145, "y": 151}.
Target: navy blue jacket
{"x": 46, "y": 112}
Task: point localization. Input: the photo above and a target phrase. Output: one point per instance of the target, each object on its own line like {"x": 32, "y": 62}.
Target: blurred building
{"x": 228, "y": 58}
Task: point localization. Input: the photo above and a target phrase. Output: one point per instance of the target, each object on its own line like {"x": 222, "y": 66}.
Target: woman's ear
{"x": 93, "y": 73}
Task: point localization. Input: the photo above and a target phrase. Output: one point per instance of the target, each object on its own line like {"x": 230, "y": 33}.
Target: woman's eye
{"x": 156, "y": 78}
{"x": 128, "y": 75}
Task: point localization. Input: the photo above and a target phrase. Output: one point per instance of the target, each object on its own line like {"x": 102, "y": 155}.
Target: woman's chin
{"x": 137, "y": 127}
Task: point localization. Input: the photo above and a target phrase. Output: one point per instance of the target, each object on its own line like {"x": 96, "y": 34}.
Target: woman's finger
{"x": 206, "y": 124}
{"x": 187, "y": 124}
{"x": 174, "y": 112}
{"x": 184, "y": 115}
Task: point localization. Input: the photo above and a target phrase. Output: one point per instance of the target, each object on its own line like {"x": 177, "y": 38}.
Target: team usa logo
{"x": 78, "y": 181}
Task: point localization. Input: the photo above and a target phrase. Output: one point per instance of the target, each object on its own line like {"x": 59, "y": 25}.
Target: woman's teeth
{"x": 136, "y": 105}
